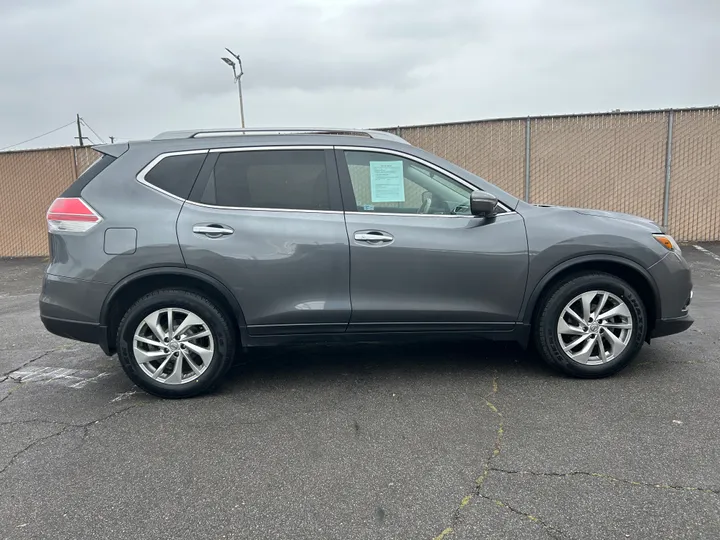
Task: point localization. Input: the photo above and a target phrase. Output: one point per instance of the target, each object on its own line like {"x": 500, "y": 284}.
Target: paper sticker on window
{"x": 386, "y": 181}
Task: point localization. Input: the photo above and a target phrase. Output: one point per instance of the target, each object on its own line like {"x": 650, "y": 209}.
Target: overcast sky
{"x": 133, "y": 68}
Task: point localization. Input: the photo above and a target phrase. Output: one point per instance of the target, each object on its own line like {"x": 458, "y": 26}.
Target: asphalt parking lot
{"x": 452, "y": 441}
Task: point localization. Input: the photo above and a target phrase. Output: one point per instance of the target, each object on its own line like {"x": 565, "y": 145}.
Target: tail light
{"x": 71, "y": 215}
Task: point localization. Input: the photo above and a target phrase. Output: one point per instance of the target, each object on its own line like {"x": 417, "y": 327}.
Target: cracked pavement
{"x": 448, "y": 441}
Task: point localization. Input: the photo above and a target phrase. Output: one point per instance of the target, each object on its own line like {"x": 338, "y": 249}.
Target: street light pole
{"x": 238, "y": 79}
{"x": 242, "y": 109}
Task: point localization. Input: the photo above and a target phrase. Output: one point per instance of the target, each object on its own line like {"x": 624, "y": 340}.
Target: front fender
{"x": 536, "y": 290}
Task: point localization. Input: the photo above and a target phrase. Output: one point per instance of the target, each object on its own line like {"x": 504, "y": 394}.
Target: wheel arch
{"x": 132, "y": 287}
{"x": 637, "y": 276}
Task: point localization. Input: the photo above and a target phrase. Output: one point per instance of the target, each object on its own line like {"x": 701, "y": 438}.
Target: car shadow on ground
{"x": 307, "y": 367}
{"x": 471, "y": 358}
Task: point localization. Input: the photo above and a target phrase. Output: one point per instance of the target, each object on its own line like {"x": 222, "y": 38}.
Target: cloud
{"x": 134, "y": 68}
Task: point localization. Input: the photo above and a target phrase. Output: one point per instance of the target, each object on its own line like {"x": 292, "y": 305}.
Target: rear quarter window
{"x": 176, "y": 174}
{"x": 85, "y": 178}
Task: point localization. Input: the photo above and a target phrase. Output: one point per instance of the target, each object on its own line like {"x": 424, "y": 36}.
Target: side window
{"x": 287, "y": 179}
{"x": 176, "y": 174}
{"x": 389, "y": 183}
{"x": 88, "y": 176}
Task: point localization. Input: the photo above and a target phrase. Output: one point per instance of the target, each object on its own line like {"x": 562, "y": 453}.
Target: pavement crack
{"x": 66, "y": 426}
{"x": 35, "y": 421}
{"x": 86, "y": 426}
{"x": 27, "y": 363}
{"x": 446, "y": 532}
{"x": 10, "y": 392}
{"x": 17, "y": 454}
{"x": 551, "y": 531}
{"x": 493, "y": 453}
{"x": 610, "y": 478}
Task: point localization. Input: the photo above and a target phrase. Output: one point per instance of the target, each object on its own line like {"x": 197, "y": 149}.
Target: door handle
{"x": 373, "y": 236}
{"x": 212, "y": 230}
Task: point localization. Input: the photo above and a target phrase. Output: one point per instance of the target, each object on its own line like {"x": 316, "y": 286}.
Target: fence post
{"x": 527, "y": 159}
{"x": 668, "y": 162}
{"x": 73, "y": 161}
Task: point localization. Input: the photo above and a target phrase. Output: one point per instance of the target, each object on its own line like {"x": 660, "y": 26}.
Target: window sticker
{"x": 386, "y": 181}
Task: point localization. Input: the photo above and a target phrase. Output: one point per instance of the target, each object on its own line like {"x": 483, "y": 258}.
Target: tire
{"x": 552, "y": 337}
{"x": 204, "y": 344}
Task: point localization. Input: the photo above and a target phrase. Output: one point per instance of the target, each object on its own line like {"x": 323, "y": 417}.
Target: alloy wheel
{"x": 173, "y": 346}
{"x": 595, "y": 327}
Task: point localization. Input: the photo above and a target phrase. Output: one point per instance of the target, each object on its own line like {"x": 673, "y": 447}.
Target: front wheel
{"x": 591, "y": 326}
{"x": 175, "y": 343}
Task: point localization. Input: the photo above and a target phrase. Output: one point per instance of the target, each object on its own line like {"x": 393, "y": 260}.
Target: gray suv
{"x": 178, "y": 251}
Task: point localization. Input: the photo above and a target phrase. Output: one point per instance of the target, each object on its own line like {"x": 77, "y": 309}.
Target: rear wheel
{"x": 175, "y": 343}
{"x": 592, "y": 325}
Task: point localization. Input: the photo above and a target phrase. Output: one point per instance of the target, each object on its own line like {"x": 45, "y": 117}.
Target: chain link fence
{"x": 694, "y": 209}
{"x": 497, "y": 148}
{"x": 31, "y": 180}
{"x": 663, "y": 165}
{"x": 84, "y": 157}
{"x": 608, "y": 162}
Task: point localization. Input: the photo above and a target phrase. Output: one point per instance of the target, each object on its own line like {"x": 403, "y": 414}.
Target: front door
{"x": 268, "y": 223}
{"x": 419, "y": 261}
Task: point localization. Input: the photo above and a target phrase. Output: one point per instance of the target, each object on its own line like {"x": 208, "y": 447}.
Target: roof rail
{"x": 231, "y": 132}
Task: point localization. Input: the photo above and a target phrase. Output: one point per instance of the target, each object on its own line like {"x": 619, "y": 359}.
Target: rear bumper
{"x": 79, "y": 331}
{"x": 70, "y": 308}
{"x": 668, "y": 327}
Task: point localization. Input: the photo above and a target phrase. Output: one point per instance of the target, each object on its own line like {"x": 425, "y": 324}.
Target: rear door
{"x": 268, "y": 223}
{"x": 419, "y": 260}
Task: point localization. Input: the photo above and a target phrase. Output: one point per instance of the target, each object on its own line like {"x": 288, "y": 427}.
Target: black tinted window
{"x": 176, "y": 174}
{"x": 291, "y": 179}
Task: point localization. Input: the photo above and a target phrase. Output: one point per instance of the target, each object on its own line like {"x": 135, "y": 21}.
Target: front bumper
{"x": 674, "y": 282}
{"x": 668, "y": 327}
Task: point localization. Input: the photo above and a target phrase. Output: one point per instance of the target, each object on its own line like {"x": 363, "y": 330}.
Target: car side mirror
{"x": 483, "y": 204}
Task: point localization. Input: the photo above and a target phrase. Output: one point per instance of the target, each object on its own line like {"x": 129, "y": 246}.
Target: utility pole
{"x": 238, "y": 79}
{"x": 80, "y": 137}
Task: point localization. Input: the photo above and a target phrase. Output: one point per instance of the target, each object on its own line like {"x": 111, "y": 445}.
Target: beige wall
{"x": 608, "y": 161}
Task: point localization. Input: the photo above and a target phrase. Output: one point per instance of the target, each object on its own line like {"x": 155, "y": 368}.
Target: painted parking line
{"x": 708, "y": 252}
{"x": 71, "y": 378}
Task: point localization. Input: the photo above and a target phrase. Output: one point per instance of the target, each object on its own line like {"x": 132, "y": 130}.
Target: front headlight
{"x": 668, "y": 242}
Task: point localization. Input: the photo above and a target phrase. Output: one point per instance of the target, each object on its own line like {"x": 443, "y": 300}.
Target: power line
{"x": 39, "y": 136}
{"x": 91, "y": 129}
